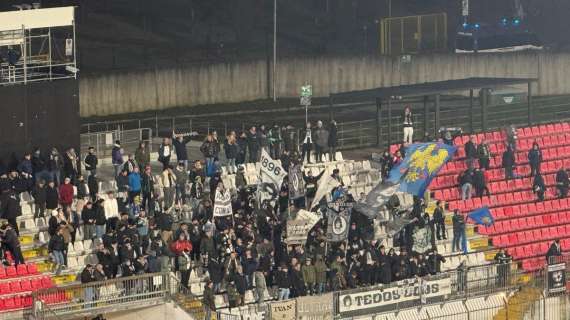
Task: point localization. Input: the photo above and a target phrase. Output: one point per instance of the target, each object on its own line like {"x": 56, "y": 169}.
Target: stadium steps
{"x": 523, "y": 226}
{"x": 519, "y": 304}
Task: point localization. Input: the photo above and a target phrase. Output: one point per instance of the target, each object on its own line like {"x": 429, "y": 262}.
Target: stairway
{"x": 191, "y": 305}
{"x": 519, "y": 304}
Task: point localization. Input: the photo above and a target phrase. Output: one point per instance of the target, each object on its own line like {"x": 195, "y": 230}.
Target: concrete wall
{"x": 160, "y": 89}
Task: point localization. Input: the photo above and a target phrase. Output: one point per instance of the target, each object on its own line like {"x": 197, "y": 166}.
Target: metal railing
{"x": 102, "y": 297}
{"x": 103, "y": 142}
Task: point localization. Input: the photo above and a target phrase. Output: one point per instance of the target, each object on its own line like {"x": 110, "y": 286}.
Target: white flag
{"x": 222, "y": 204}
{"x": 326, "y": 184}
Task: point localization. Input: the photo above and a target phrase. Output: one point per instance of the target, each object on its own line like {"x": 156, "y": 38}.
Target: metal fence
{"x": 103, "y": 142}
{"x": 101, "y": 297}
{"x": 413, "y": 34}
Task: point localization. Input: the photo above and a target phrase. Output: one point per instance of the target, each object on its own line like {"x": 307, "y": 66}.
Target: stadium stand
{"x": 523, "y": 226}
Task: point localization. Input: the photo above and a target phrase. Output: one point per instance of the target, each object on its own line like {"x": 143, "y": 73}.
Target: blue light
{"x": 516, "y": 21}
{"x": 465, "y": 25}
{"x": 504, "y": 21}
{"x": 477, "y": 26}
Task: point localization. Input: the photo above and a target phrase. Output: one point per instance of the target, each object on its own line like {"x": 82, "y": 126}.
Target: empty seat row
{"x": 16, "y": 302}
{"x": 492, "y": 201}
{"x": 25, "y": 285}
{"x": 527, "y": 209}
{"x": 529, "y": 236}
{"x": 530, "y": 222}
{"x": 21, "y": 270}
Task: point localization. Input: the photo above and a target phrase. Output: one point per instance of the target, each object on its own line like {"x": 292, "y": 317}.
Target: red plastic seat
{"x": 36, "y": 284}
{"x": 15, "y": 286}
{"x": 26, "y": 285}
{"x": 2, "y": 273}
{"x": 32, "y": 268}
{"x": 9, "y": 303}
{"x": 22, "y": 270}
{"x": 5, "y": 288}
{"x": 47, "y": 282}
{"x": 11, "y": 272}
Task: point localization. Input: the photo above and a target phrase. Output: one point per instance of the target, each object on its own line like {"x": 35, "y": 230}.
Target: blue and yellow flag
{"x": 421, "y": 164}
{"x": 482, "y": 216}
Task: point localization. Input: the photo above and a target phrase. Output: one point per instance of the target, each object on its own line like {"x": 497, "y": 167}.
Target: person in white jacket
{"x": 111, "y": 208}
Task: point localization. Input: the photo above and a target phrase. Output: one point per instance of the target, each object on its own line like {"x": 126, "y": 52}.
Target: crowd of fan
{"x": 163, "y": 222}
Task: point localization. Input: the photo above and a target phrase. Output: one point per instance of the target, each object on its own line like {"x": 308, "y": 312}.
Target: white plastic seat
{"x": 78, "y": 246}
{"x": 87, "y": 245}
{"x": 70, "y": 249}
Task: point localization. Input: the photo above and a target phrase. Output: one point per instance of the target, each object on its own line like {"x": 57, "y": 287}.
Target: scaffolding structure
{"x": 37, "y": 45}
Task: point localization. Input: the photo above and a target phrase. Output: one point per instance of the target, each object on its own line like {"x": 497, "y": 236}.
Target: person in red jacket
{"x": 66, "y": 193}
{"x": 180, "y": 244}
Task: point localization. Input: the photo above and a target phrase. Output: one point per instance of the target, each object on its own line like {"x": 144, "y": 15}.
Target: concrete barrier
{"x": 159, "y": 89}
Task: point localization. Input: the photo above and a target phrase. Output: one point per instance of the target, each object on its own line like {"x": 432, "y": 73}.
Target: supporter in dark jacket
{"x": 91, "y": 161}
{"x": 333, "y": 140}
{"x": 87, "y": 275}
{"x": 52, "y": 196}
{"x": 534, "y": 159}
{"x": 39, "y": 194}
{"x": 470, "y": 150}
{"x": 10, "y": 239}
{"x": 509, "y": 163}
{"x": 242, "y": 147}
{"x": 484, "y": 155}
{"x": 93, "y": 185}
{"x": 466, "y": 184}
{"x": 283, "y": 282}
{"x": 311, "y": 184}
{"x": 10, "y": 208}
{"x": 562, "y": 183}
{"x": 554, "y": 251}
{"x": 480, "y": 183}
{"x": 538, "y": 186}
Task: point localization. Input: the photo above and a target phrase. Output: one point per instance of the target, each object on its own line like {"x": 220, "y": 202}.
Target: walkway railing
{"x": 102, "y": 297}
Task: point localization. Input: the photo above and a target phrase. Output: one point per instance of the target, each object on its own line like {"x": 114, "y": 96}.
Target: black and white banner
{"x": 298, "y": 229}
{"x": 222, "y": 204}
{"x": 271, "y": 170}
{"x": 384, "y": 299}
{"x": 557, "y": 278}
{"x": 271, "y": 175}
{"x": 338, "y": 222}
{"x": 296, "y": 182}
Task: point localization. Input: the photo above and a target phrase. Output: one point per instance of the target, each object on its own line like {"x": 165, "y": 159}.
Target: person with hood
{"x": 309, "y": 276}
{"x": 142, "y": 155}
{"x": 88, "y": 217}
{"x": 231, "y": 149}
{"x": 117, "y": 157}
{"x": 39, "y": 166}
{"x": 10, "y": 208}
{"x": 39, "y": 194}
{"x": 332, "y": 140}
{"x": 562, "y": 183}
{"x": 165, "y": 152}
{"x": 509, "y": 163}
{"x": 321, "y": 141}
{"x": 130, "y": 164}
{"x": 91, "y": 161}
{"x": 534, "y": 159}
{"x": 52, "y": 196}
{"x": 25, "y": 167}
{"x": 538, "y": 186}
{"x": 307, "y": 143}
